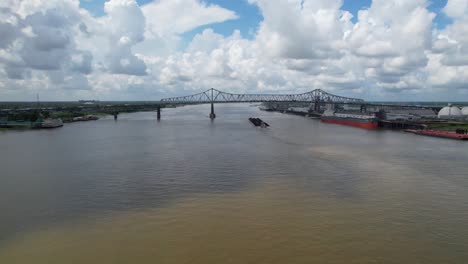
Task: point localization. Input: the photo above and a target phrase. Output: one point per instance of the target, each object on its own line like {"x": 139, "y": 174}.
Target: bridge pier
{"x": 317, "y": 106}
{"x": 363, "y": 108}
{"x": 212, "y": 114}
{"x": 158, "y": 113}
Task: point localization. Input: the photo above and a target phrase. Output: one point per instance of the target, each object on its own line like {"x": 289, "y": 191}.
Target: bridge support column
{"x": 363, "y": 108}
{"x": 158, "y": 113}
{"x": 212, "y": 114}
{"x": 317, "y": 106}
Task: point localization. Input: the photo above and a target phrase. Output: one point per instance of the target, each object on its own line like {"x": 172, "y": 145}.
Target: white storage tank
{"x": 450, "y": 112}
{"x": 465, "y": 111}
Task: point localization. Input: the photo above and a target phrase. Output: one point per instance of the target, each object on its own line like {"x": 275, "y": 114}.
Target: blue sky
{"x": 250, "y": 16}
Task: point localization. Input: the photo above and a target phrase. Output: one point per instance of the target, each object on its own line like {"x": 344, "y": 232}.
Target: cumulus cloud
{"x": 382, "y": 35}
{"x": 126, "y": 24}
{"x": 391, "y": 47}
{"x": 456, "y": 8}
{"x": 448, "y": 64}
{"x": 42, "y": 40}
{"x": 303, "y": 29}
{"x": 190, "y": 14}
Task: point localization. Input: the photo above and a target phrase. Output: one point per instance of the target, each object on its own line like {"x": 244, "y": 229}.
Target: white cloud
{"x": 303, "y": 29}
{"x": 42, "y": 39}
{"x": 390, "y": 42}
{"x": 456, "y": 8}
{"x": 178, "y": 16}
{"x": 448, "y": 66}
{"x": 134, "y": 52}
{"x": 125, "y": 24}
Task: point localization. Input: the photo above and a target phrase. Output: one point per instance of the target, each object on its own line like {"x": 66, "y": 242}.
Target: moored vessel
{"x": 368, "y": 121}
{"x": 85, "y": 118}
{"x": 51, "y": 123}
{"x": 461, "y": 135}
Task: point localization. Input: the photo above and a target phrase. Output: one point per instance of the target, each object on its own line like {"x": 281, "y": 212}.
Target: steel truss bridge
{"x": 215, "y": 96}
{"x": 212, "y": 96}
{"x": 314, "y": 99}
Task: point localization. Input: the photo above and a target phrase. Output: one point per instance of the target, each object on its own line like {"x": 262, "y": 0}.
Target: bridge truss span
{"x": 215, "y": 96}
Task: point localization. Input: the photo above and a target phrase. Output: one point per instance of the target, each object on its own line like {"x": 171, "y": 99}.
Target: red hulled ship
{"x": 368, "y": 121}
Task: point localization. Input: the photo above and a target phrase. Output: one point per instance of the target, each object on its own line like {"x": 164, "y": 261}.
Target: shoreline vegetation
{"x": 449, "y": 126}
{"x": 24, "y": 113}
{"x": 70, "y": 112}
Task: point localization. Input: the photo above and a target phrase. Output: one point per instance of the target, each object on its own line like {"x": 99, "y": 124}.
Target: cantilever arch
{"x": 210, "y": 96}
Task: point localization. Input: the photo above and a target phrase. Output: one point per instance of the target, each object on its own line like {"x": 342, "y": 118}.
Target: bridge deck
{"x": 216, "y": 96}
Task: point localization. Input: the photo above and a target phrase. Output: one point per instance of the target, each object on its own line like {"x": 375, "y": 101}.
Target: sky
{"x": 390, "y": 50}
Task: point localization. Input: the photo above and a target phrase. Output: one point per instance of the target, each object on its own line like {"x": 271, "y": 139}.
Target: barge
{"x": 258, "y": 122}
{"x": 438, "y": 133}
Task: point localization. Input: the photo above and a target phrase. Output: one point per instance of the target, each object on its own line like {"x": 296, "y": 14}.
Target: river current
{"x": 190, "y": 190}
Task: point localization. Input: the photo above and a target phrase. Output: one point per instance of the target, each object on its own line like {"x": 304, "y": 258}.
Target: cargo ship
{"x": 361, "y": 120}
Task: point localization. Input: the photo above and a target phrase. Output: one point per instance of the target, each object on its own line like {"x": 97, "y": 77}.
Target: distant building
{"x": 299, "y": 109}
{"x": 450, "y": 112}
{"x": 88, "y": 102}
{"x": 408, "y": 114}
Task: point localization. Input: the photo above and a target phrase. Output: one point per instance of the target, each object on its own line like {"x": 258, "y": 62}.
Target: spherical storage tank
{"x": 465, "y": 111}
{"x": 450, "y": 112}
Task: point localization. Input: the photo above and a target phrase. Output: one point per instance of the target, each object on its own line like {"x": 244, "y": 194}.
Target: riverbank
{"x": 433, "y": 124}
{"x": 70, "y": 111}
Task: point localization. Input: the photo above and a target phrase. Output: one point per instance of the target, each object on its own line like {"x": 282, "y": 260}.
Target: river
{"x": 189, "y": 190}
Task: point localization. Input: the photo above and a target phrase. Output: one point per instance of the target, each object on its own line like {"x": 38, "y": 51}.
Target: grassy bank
{"x": 450, "y": 127}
